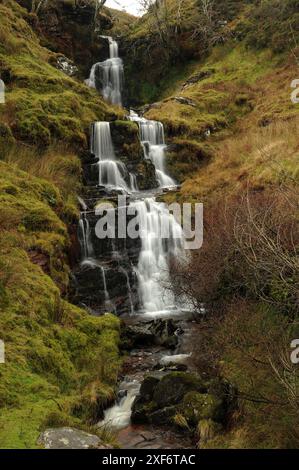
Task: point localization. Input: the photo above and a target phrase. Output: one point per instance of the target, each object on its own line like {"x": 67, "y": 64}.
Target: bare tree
{"x": 163, "y": 26}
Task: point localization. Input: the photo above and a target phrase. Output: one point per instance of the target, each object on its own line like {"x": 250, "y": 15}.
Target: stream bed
{"x": 150, "y": 361}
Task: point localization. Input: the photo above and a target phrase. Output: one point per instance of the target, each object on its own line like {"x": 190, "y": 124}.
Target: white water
{"x": 101, "y": 141}
{"x": 110, "y": 74}
{"x": 93, "y": 263}
{"x": 110, "y": 174}
{"x": 161, "y": 237}
{"x": 119, "y": 415}
{"x": 85, "y": 236}
{"x": 176, "y": 359}
{"x": 129, "y": 290}
{"x": 111, "y": 171}
{"x": 153, "y": 142}
{"x": 107, "y": 298}
{"x": 133, "y": 182}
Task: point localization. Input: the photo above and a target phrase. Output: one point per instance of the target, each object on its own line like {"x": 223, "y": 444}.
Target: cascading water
{"x": 153, "y": 264}
{"x": 107, "y": 76}
{"x": 153, "y": 142}
{"x": 129, "y": 290}
{"x": 112, "y": 173}
{"x": 119, "y": 415}
{"x": 161, "y": 237}
{"x": 107, "y": 299}
{"x": 84, "y": 236}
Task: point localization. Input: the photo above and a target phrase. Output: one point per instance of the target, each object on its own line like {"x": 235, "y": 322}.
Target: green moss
{"x": 198, "y": 406}
{"x": 186, "y": 156}
{"x": 54, "y": 350}
{"x": 47, "y": 105}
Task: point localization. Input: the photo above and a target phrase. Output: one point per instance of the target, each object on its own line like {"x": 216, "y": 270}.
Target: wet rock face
{"x": 70, "y": 438}
{"x": 146, "y": 175}
{"x": 157, "y": 332}
{"x": 128, "y": 150}
{"x": 90, "y": 287}
{"x": 68, "y": 27}
{"x": 125, "y": 138}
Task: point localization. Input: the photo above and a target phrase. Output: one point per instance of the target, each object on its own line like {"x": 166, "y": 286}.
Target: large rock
{"x": 126, "y": 142}
{"x": 158, "y": 399}
{"x": 198, "y": 406}
{"x": 162, "y": 400}
{"x": 69, "y": 438}
{"x": 173, "y": 387}
{"x": 163, "y": 417}
{"x": 157, "y": 332}
{"x": 148, "y": 387}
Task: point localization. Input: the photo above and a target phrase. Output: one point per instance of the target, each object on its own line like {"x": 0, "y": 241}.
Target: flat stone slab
{"x": 69, "y": 438}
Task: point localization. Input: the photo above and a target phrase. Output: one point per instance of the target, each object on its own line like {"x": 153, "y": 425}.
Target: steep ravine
{"x": 123, "y": 275}
{"x": 124, "y": 173}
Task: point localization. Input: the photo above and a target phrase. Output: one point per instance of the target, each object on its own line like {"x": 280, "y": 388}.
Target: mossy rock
{"x": 125, "y": 137}
{"x": 163, "y": 417}
{"x": 148, "y": 387}
{"x": 142, "y": 410}
{"x": 197, "y": 406}
{"x": 173, "y": 387}
{"x": 146, "y": 175}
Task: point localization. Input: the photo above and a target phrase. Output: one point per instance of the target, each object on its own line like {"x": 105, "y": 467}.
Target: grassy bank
{"x": 61, "y": 364}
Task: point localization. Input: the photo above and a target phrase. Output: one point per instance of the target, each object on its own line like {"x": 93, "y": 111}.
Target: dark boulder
{"x": 197, "y": 406}
{"x": 163, "y": 417}
{"x": 173, "y": 387}
{"x": 157, "y": 332}
{"x": 148, "y": 387}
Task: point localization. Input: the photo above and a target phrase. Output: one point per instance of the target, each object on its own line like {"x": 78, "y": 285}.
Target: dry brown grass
{"x": 261, "y": 156}
{"x": 58, "y": 164}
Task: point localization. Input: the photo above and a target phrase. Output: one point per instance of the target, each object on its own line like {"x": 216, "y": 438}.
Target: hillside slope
{"x": 61, "y": 364}
{"x": 224, "y": 95}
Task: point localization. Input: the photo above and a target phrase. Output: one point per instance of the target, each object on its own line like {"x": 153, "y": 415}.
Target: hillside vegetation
{"x": 218, "y": 75}
{"x": 222, "y": 87}
{"x": 61, "y": 364}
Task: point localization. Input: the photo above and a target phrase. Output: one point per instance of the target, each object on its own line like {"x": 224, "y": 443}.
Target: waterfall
{"x": 101, "y": 141}
{"x": 107, "y": 76}
{"x": 111, "y": 171}
{"x": 119, "y": 415}
{"x": 110, "y": 174}
{"x": 133, "y": 182}
{"x": 95, "y": 264}
{"x": 84, "y": 236}
{"x": 129, "y": 290}
{"x": 153, "y": 142}
{"x": 107, "y": 298}
{"x": 156, "y": 248}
